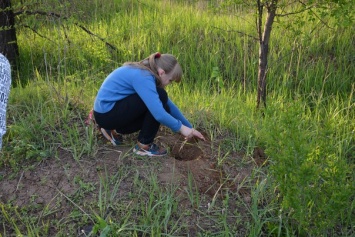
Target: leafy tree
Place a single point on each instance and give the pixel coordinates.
(320, 10)
(30, 14)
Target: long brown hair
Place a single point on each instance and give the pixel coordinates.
(167, 62)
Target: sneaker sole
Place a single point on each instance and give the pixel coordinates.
(143, 153)
(107, 136)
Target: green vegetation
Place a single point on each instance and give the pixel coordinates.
(307, 129)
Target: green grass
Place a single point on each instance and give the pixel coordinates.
(307, 130)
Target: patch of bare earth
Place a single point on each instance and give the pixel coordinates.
(55, 187)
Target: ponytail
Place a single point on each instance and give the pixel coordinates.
(167, 62)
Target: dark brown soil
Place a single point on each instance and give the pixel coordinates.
(53, 183)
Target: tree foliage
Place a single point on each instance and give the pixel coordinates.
(34, 14)
(298, 12)
(317, 188)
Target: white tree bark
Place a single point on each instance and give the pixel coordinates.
(5, 83)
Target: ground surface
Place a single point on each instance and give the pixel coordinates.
(57, 185)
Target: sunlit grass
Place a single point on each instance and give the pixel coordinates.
(307, 129)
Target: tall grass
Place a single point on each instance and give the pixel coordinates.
(307, 129)
(309, 164)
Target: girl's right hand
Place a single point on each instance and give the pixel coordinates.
(189, 133)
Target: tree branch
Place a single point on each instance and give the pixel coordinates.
(36, 32)
(239, 32)
(259, 20)
(315, 14)
(296, 12)
(55, 15)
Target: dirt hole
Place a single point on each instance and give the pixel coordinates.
(182, 149)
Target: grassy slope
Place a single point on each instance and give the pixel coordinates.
(307, 130)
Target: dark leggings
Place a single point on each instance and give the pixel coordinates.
(130, 115)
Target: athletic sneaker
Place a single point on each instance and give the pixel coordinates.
(111, 135)
(149, 150)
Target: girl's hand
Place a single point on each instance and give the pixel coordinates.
(189, 133)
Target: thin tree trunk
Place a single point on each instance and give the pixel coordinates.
(8, 40)
(264, 50)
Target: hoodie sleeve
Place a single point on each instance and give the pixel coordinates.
(176, 113)
(145, 87)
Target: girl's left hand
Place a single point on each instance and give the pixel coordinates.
(189, 133)
(195, 133)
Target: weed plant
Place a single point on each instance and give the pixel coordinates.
(307, 129)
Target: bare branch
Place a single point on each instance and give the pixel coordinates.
(239, 32)
(36, 32)
(55, 15)
(100, 38)
(52, 14)
(296, 12)
(316, 15)
(259, 20)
